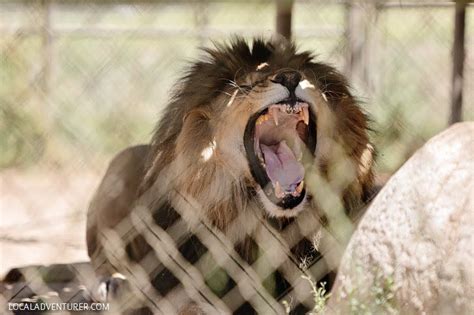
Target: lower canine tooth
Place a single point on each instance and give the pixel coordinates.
(299, 188)
(278, 192)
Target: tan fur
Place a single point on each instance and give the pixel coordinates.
(114, 197)
(197, 155)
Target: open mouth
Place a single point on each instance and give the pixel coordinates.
(276, 140)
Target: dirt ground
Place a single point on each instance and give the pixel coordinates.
(43, 216)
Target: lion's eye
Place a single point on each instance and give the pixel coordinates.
(248, 87)
(260, 81)
(251, 81)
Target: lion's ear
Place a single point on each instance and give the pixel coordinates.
(196, 132)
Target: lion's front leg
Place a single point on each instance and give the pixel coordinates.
(110, 205)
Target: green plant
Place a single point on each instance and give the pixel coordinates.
(320, 295)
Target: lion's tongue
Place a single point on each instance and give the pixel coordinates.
(282, 166)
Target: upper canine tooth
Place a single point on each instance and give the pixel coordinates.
(274, 114)
(305, 115)
(300, 157)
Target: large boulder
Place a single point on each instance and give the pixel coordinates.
(413, 251)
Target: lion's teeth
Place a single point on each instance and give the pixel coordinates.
(278, 191)
(299, 188)
(305, 115)
(262, 119)
(274, 114)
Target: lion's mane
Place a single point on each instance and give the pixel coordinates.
(194, 168)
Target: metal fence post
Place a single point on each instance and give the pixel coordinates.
(360, 17)
(283, 17)
(458, 62)
(201, 20)
(46, 42)
(42, 94)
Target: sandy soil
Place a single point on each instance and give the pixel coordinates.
(43, 216)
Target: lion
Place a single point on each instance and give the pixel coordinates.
(257, 149)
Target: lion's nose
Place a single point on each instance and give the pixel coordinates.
(289, 79)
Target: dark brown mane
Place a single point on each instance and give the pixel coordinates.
(225, 63)
(207, 78)
(199, 183)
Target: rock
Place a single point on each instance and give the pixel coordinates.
(413, 251)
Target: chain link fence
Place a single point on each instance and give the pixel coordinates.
(81, 80)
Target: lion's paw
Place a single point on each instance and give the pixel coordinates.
(110, 288)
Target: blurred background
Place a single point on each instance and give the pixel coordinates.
(81, 80)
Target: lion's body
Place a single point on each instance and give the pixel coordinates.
(115, 196)
(166, 214)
